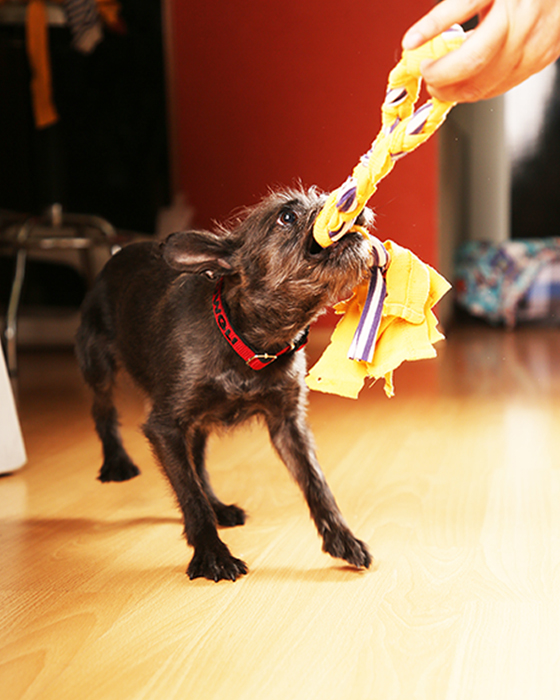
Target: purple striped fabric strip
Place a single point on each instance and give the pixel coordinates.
(363, 343)
(418, 119)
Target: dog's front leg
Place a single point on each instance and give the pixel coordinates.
(212, 559)
(226, 515)
(293, 441)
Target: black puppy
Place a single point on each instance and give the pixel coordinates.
(210, 326)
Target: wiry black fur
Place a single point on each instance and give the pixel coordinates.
(150, 311)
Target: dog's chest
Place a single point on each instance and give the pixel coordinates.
(231, 398)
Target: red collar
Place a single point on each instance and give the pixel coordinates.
(253, 358)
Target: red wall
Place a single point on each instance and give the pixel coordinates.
(269, 93)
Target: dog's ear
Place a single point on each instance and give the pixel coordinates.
(198, 252)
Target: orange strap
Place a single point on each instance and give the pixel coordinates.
(37, 41)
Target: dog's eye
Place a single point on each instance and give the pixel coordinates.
(287, 217)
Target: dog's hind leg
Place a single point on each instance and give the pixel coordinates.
(98, 368)
(173, 446)
(226, 515)
(117, 465)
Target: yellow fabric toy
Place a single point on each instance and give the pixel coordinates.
(389, 318)
(407, 330)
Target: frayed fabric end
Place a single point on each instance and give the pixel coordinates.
(408, 328)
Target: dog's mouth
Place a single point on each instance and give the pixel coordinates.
(353, 239)
(314, 247)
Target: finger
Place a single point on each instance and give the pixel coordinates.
(440, 18)
(461, 93)
(473, 61)
(482, 87)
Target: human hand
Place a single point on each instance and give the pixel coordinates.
(513, 40)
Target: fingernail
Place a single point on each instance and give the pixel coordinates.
(412, 40)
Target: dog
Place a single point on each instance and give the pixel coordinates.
(211, 326)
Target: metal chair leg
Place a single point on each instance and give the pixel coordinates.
(11, 317)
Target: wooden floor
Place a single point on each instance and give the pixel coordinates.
(454, 483)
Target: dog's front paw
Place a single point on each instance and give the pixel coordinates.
(118, 467)
(229, 516)
(216, 565)
(343, 545)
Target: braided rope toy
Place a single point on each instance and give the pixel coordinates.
(402, 131)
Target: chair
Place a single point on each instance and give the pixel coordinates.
(55, 230)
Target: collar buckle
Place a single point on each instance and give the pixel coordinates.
(264, 358)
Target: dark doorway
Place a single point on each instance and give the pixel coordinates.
(107, 155)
